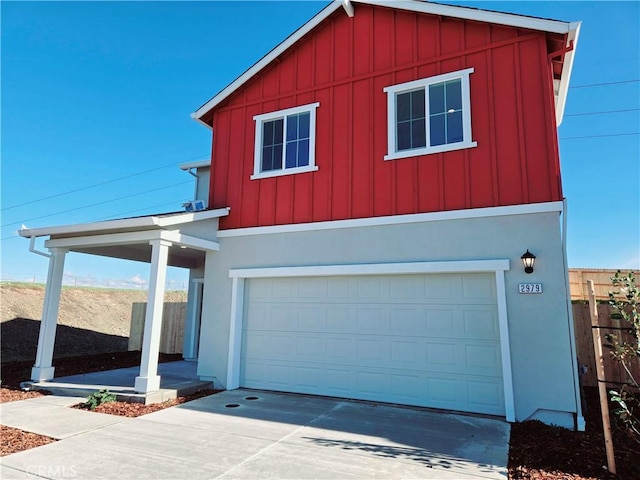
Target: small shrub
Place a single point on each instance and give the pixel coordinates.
(97, 399)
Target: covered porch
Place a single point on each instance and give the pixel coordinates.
(176, 379)
(175, 239)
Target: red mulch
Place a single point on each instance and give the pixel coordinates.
(126, 409)
(14, 440)
(9, 395)
(542, 452)
(536, 452)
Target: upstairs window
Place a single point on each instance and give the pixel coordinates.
(285, 142)
(430, 115)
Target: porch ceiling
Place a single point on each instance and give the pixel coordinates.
(178, 256)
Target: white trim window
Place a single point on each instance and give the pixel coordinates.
(285, 142)
(429, 115)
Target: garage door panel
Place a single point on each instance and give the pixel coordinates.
(480, 323)
(407, 321)
(428, 340)
(406, 288)
(441, 287)
(405, 353)
(482, 359)
(477, 288)
(370, 288)
(338, 349)
(338, 382)
(309, 346)
(371, 320)
(485, 395)
(313, 288)
(312, 318)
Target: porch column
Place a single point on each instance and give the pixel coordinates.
(43, 369)
(149, 380)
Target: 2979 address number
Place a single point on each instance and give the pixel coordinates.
(529, 288)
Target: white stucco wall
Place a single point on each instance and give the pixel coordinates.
(543, 377)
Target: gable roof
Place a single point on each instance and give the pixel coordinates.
(571, 29)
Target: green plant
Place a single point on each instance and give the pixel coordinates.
(96, 399)
(625, 305)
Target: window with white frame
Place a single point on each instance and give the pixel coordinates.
(429, 115)
(285, 142)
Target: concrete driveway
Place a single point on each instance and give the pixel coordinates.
(249, 434)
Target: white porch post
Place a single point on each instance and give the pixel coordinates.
(43, 369)
(149, 380)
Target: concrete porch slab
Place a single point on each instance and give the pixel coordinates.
(176, 379)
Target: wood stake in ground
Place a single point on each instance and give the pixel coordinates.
(602, 387)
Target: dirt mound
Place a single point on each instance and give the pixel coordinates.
(90, 320)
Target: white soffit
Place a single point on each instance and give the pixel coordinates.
(465, 13)
(126, 224)
(567, 67)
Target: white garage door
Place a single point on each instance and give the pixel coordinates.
(427, 340)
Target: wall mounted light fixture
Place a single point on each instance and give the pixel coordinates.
(528, 259)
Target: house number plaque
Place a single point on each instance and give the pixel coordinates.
(529, 288)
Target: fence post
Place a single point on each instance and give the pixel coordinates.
(602, 388)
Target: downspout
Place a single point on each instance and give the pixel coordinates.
(32, 248)
(580, 423)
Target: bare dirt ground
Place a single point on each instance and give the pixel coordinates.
(91, 320)
(95, 317)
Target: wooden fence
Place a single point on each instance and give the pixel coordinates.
(172, 335)
(614, 373)
(601, 281)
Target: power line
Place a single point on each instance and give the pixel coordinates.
(95, 204)
(601, 113)
(173, 164)
(119, 215)
(606, 83)
(598, 136)
(619, 60)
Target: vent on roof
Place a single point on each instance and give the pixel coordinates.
(194, 206)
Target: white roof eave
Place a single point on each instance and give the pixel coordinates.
(567, 67)
(465, 13)
(125, 224)
(198, 164)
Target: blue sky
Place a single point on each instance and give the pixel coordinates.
(96, 93)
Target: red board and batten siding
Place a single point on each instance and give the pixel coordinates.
(344, 64)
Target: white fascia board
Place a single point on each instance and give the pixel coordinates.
(266, 60)
(567, 67)
(508, 19)
(125, 223)
(470, 13)
(467, 266)
(192, 217)
(471, 213)
(198, 164)
(150, 221)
